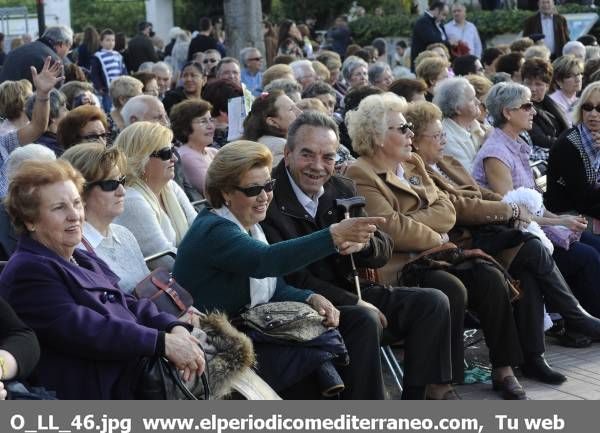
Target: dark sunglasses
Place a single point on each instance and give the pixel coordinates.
(165, 153)
(209, 60)
(107, 185)
(256, 59)
(253, 191)
(589, 107)
(526, 106)
(404, 127)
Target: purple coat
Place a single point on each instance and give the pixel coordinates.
(92, 335)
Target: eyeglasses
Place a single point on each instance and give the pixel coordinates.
(404, 128)
(166, 153)
(107, 185)
(209, 61)
(255, 59)
(589, 107)
(438, 136)
(253, 191)
(100, 136)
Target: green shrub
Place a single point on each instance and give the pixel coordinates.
(489, 23)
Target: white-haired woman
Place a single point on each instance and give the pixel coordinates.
(355, 72)
(458, 101)
(157, 211)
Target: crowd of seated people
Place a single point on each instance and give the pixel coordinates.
(442, 158)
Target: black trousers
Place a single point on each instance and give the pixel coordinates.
(362, 332)
(483, 290)
(541, 282)
(421, 317)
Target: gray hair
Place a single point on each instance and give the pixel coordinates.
(146, 67)
(350, 64)
(376, 70)
(592, 52)
(505, 95)
(318, 88)
(57, 100)
(247, 52)
(540, 51)
(289, 87)
(225, 61)
(136, 106)
(59, 34)
(450, 95)
(162, 65)
(299, 66)
(310, 118)
(35, 152)
(572, 47)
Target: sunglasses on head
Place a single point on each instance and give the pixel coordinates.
(253, 191)
(589, 107)
(166, 153)
(107, 185)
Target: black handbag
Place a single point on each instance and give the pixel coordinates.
(159, 380)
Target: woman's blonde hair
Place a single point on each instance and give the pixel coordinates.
(23, 199)
(13, 96)
(482, 85)
(585, 96)
(231, 163)
(367, 125)
(95, 161)
(421, 114)
(429, 69)
(138, 141)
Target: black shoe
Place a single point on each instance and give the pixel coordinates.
(537, 368)
(510, 388)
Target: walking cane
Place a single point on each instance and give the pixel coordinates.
(348, 204)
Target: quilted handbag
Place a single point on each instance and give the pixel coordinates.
(288, 320)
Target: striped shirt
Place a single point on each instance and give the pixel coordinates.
(112, 64)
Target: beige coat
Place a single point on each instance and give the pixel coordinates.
(474, 205)
(417, 213)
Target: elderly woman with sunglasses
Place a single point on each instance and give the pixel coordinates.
(419, 216)
(84, 123)
(502, 165)
(227, 264)
(104, 197)
(157, 211)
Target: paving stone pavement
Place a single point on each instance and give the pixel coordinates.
(581, 366)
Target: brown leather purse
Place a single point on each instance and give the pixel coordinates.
(162, 289)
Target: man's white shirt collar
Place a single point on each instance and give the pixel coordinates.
(309, 204)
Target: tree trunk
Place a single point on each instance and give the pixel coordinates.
(243, 21)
